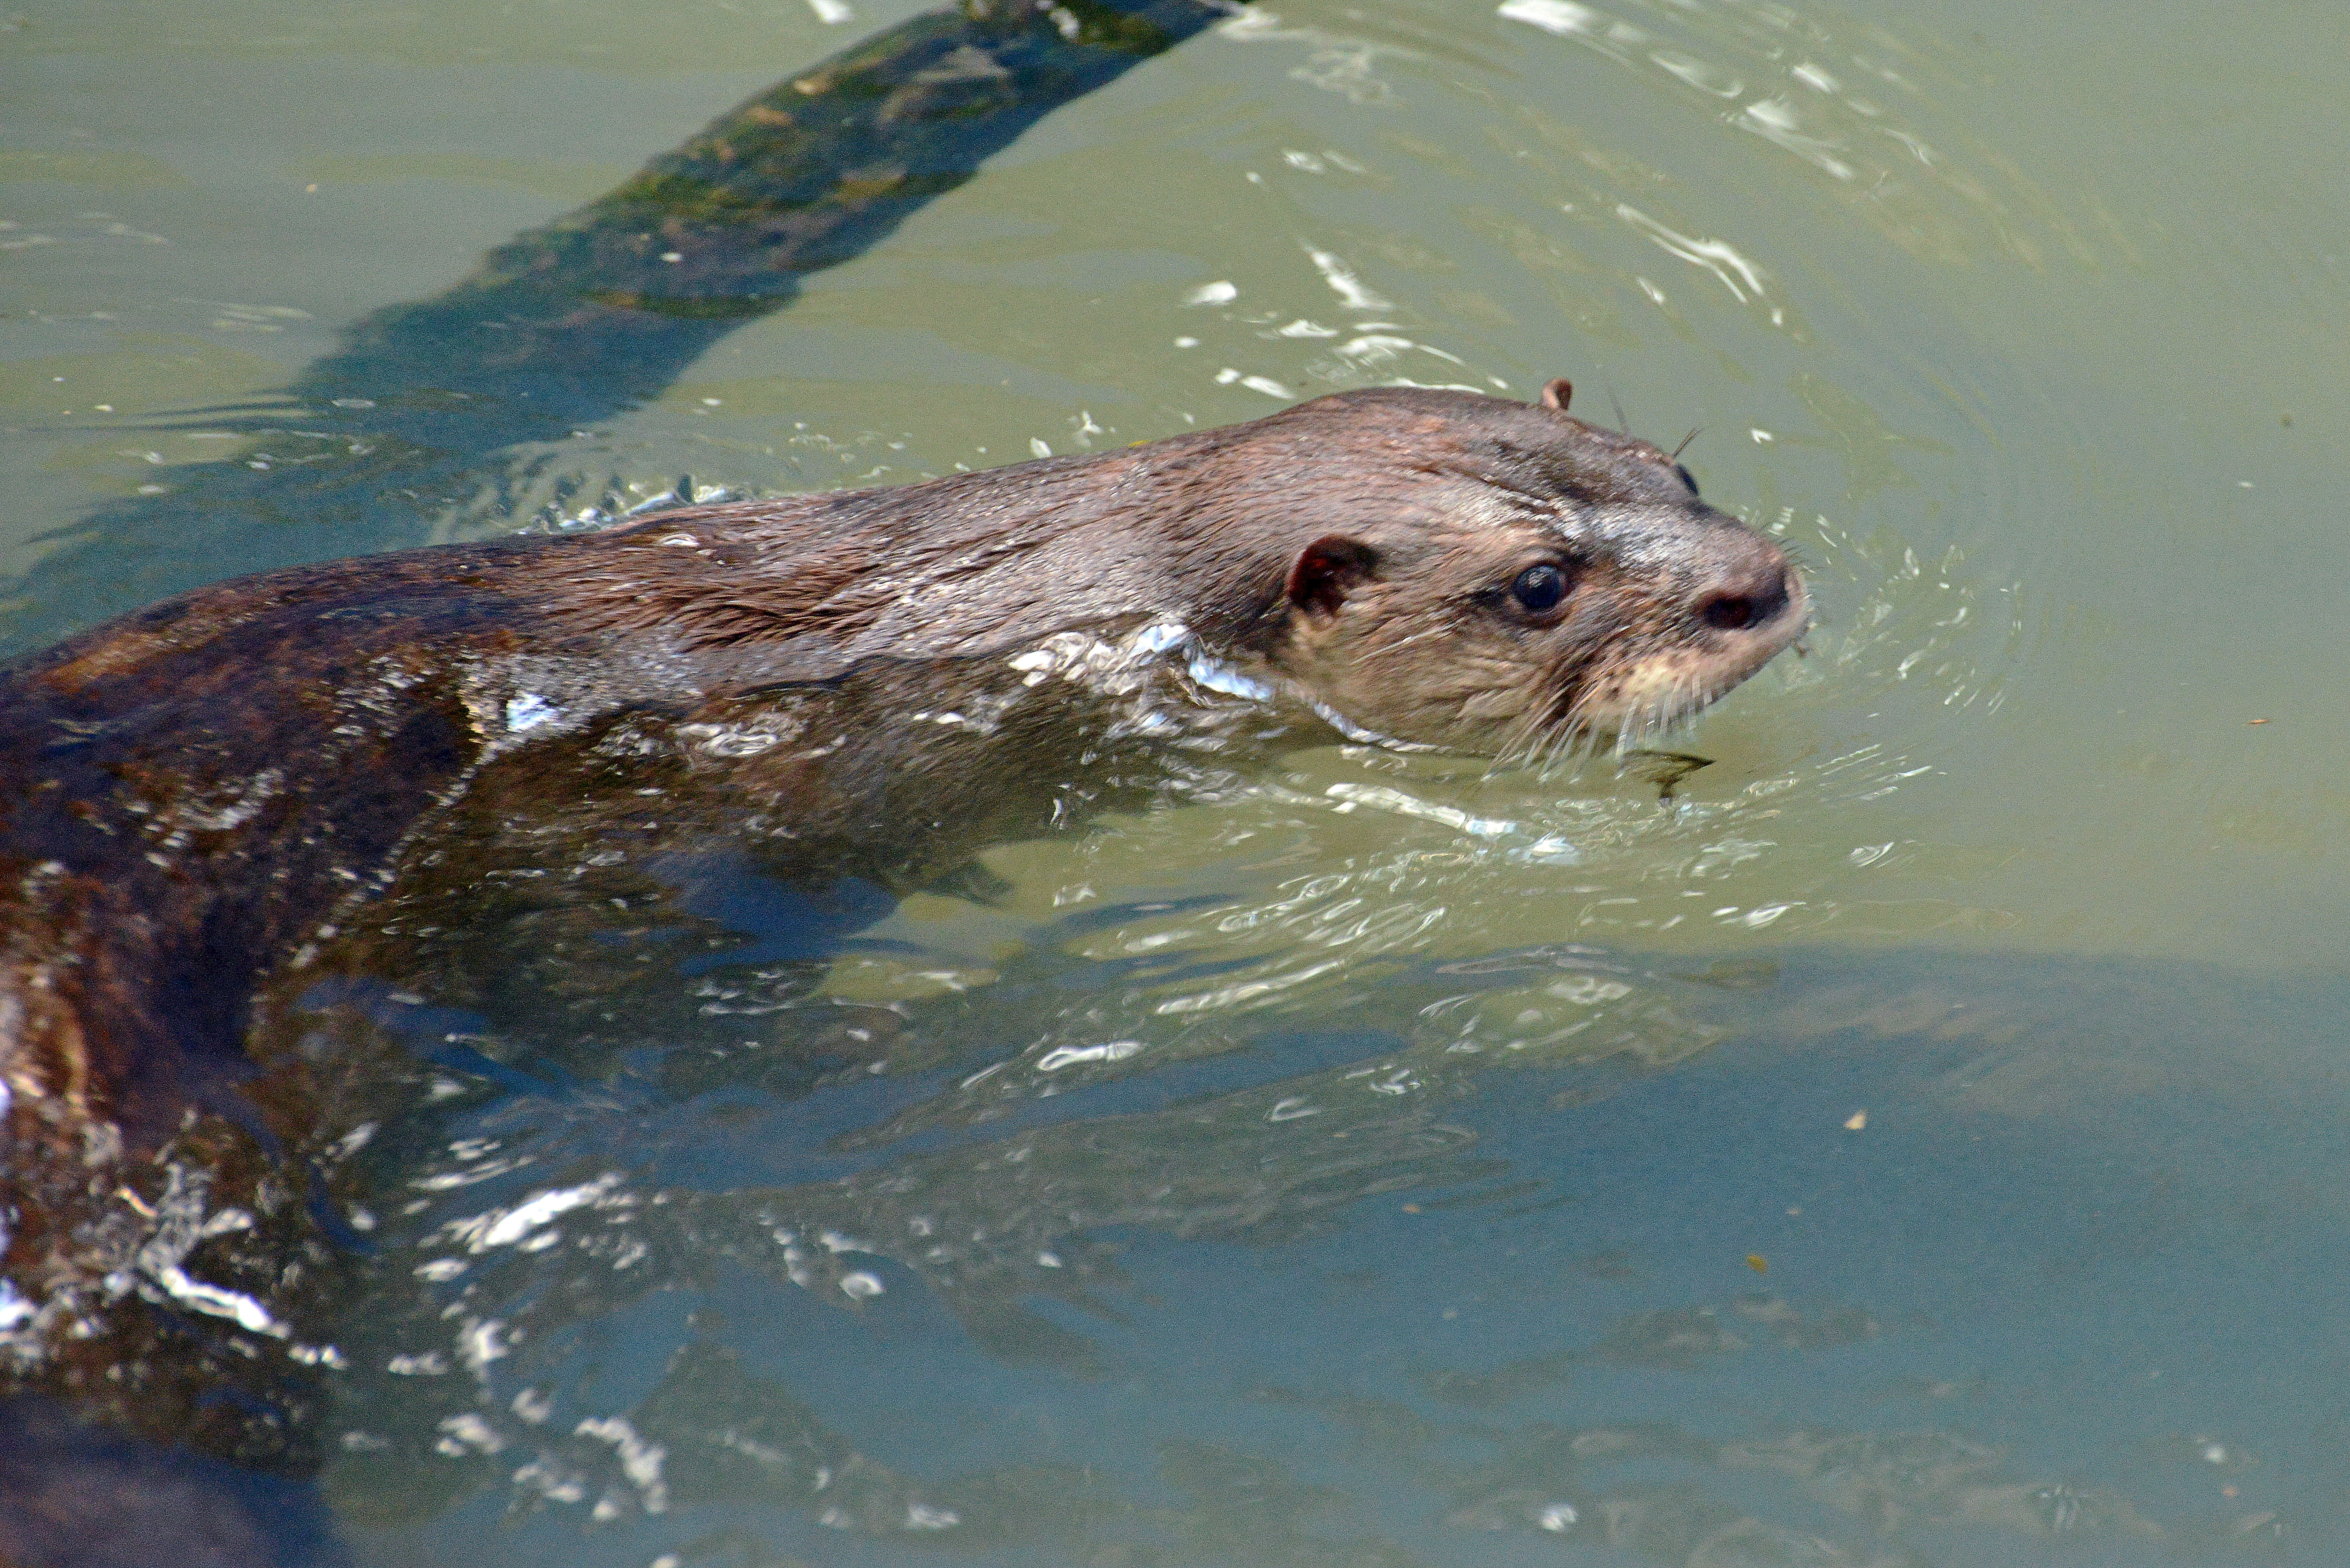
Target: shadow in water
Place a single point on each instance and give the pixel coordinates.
(570, 323)
(1811, 1257)
(76, 1494)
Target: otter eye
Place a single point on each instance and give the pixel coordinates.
(1539, 588)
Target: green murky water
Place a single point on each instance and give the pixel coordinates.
(1919, 1142)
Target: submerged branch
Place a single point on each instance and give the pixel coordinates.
(603, 307)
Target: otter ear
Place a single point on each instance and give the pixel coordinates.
(1327, 570)
(1556, 393)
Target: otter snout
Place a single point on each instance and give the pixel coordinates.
(1761, 597)
(1753, 588)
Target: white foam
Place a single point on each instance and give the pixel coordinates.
(519, 1222)
(528, 711)
(246, 1313)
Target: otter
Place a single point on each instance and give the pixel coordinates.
(199, 793)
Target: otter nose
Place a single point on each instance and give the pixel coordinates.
(1751, 594)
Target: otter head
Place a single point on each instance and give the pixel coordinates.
(1500, 577)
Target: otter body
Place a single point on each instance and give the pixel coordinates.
(196, 794)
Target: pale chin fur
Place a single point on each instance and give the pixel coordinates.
(1658, 697)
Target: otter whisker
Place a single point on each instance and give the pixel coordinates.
(1536, 740)
(1519, 745)
(1531, 745)
(1384, 649)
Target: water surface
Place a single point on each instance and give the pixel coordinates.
(1380, 1160)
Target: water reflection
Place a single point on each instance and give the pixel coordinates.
(514, 1346)
(652, 1269)
(1856, 115)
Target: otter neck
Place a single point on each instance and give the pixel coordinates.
(1082, 542)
